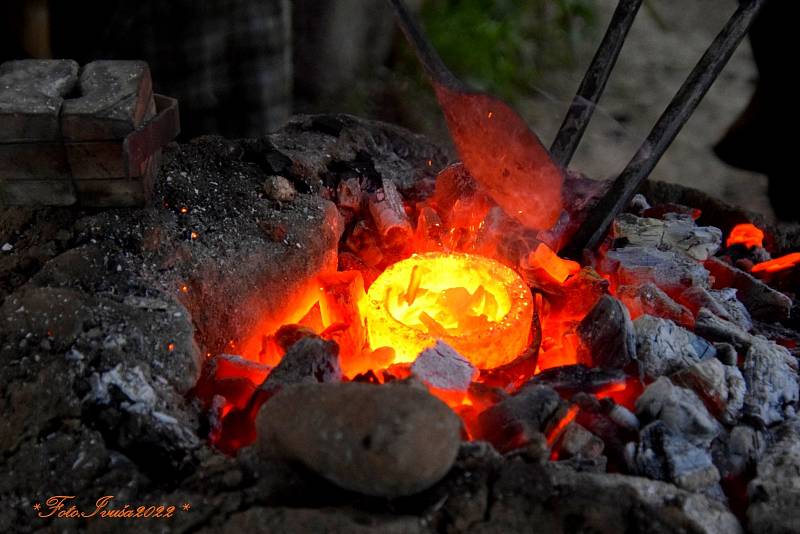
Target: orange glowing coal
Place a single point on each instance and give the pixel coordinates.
(478, 306)
(778, 264)
(746, 234)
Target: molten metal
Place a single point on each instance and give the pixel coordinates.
(478, 306)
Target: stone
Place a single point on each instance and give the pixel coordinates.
(31, 96)
(280, 189)
(680, 409)
(721, 387)
(516, 420)
(676, 233)
(669, 270)
(309, 360)
(116, 97)
(763, 302)
(648, 299)
(663, 454)
(662, 347)
(386, 441)
(607, 337)
(441, 367)
(770, 372)
(775, 491)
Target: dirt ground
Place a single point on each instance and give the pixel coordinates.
(665, 42)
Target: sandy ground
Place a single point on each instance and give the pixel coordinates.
(665, 42)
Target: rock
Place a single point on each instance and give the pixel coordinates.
(721, 302)
(386, 441)
(763, 302)
(662, 347)
(648, 299)
(516, 420)
(663, 454)
(280, 189)
(669, 270)
(721, 387)
(309, 360)
(771, 377)
(556, 498)
(676, 233)
(680, 409)
(607, 337)
(775, 491)
(441, 367)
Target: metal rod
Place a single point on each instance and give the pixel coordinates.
(594, 83)
(593, 229)
(427, 55)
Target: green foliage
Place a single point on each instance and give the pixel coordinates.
(501, 45)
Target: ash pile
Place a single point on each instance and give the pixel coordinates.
(679, 415)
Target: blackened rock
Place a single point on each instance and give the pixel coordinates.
(775, 492)
(310, 360)
(721, 387)
(663, 454)
(771, 376)
(679, 409)
(387, 441)
(662, 347)
(533, 410)
(607, 337)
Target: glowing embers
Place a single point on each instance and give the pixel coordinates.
(746, 234)
(778, 264)
(478, 306)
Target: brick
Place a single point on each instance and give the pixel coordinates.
(116, 98)
(37, 161)
(96, 159)
(53, 192)
(31, 97)
(119, 192)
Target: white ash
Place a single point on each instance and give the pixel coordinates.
(678, 234)
(662, 347)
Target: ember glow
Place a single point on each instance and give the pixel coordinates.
(747, 234)
(480, 307)
(778, 264)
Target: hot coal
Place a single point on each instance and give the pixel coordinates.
(608, 340)
(674, 232)
(671, 271)
(662, 347)
(721, 387)
(723, 303)
(763, 302)
(577, 441)
(770, 372)
(309, 360)
(571, 379)
(442, 367)
(649, 299)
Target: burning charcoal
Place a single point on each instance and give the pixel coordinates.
(350, 194)
(386, 441)
(386, 207)
(364, 242)
(668, 269)
(579, 293)
(607, 337)
(712, 327)
(648, 299)
(571, 379)
(663, 454)
(662, 347)
(511, 423)
(763, 302)
(775, 493)
(739, 451)
(772, 389)
(289, 334)
(678, 234)
(577, 441)
(441, 367)
(680, 409)
(341, 297)
(722, 303)
(280, 189)
(726, 354)
(720, 386)
(312, 359)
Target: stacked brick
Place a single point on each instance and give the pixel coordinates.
(89, 136)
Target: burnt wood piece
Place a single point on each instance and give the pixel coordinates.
(594, 228)
(594, 83)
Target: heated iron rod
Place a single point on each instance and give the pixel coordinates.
(593, 229)
(594, 83)
(427, 55)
